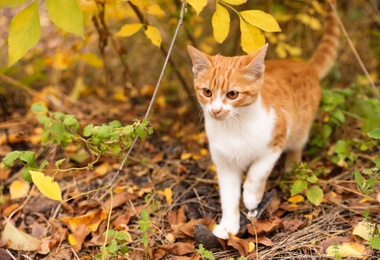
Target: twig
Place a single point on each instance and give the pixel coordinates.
(356, 54)
(180, 21)
(18, 84)
(10, 254)
(77, 257)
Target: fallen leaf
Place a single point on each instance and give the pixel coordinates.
(264, 226)
(120, 199)
(16, 239)
(168, 193)
(19, 189)
(102, 169)
(179, 248)
(292, 224)
(348, 249)
(92, 220)
(296, 199)
(241, 245)
(364, 229)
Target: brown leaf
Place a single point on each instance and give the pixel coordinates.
(264, 226)
(122, 219)
(241, 245)
(261, 240)
(334, 241)
(187, 229)
(120, 199)
(79, 235)
(293, 224)
(179, 248)
(159, 253)
(178, 217)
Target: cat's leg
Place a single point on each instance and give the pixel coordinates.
(229, 180)
(254, 185)
(292, 157)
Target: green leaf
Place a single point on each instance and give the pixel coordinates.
(251, 37)
(112, 247)
(104, 131)
(87, 130)
(315, 195)
(12, 3)
(261, 20)
(375, 243)
(358, 178)
(24, 32)
(25, 174)
(66, 15)
(124, 249)
(377, 162)
(28, 158)
(9, 159)
(59, 162)
(374, 133)
(312, 179)
(220, 23)
(144, 214)
(38, 108)
(298, 187)
(115, 124)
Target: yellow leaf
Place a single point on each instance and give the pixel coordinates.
(138, 3)
(92, 220)
(220, 23)
(261, 20)
(364, 229)
(168, 193)
(280, 50)
(213, 168)
(46, 185)
(19, 189)
(251, 37)
(154, 35)
(348, 249)
(186, 156)
(235, 2)
(310, 21)
(198, 5)
(92, 59)
(15, 239)
(251, 246)
(102, 169)
(155, 10)
(72, 240)
(296, 199)
(129, 29)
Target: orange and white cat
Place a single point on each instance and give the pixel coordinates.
(254, 111)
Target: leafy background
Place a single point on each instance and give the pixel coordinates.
(106, 70)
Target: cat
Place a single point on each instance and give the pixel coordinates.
(254, 111)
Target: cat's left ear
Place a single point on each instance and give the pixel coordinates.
(256, 61)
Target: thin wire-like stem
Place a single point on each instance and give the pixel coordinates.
(148, 111)
(356, 54)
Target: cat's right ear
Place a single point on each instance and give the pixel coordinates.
(201, 61)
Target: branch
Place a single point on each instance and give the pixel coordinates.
(180, 21)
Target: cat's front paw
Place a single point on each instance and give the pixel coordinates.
(222, 231)
(252, 213)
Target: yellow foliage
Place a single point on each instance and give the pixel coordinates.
(19, 189)
(154, 35)
(251, 37)
(310, 21)
(129, 29)
(348, 249)
(235, 2)
(168, 193)
(261, 20)
(46, 185)
(198, 5)
(220, 23)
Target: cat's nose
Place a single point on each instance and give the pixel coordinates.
(216, 111)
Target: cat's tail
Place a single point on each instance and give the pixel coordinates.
(327, 50)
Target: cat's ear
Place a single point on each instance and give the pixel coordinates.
(256, 62)
(201, 61)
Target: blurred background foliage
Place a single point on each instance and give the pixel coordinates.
(70, 73)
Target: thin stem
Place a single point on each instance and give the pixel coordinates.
(180, 21)
(356, 54)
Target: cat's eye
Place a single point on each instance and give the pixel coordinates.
(232, 94)
(207, 92)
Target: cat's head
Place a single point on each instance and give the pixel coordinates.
(224, 84)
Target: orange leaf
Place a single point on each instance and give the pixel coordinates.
(264, 226)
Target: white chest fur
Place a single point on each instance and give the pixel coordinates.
(240, 140)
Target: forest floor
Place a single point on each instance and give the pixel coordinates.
(171, 175)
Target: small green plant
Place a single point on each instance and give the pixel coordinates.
(365, 181)
(62, 129)
(116, 246)
(204, 253)
(144, 224)
(240, 258)
(307, 182)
